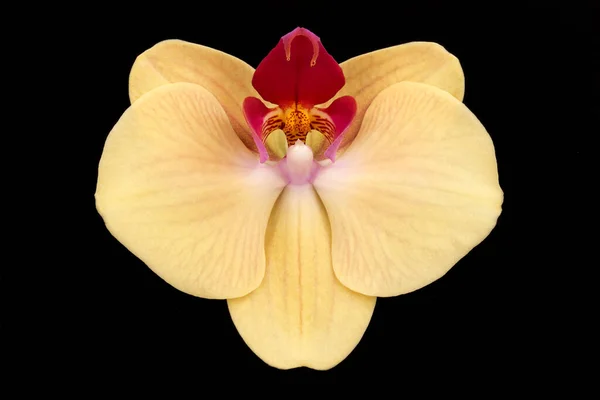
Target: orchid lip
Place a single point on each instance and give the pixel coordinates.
(290, 73)
(290, 77)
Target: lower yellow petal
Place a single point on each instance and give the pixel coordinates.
(301, 315)
(178, 188)
(425, 62)
(228, 78)
(413, 194)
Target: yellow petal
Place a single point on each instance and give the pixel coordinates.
(301, 315)
(181, 192)
(425, 62)
(414, 193)
(228, 78)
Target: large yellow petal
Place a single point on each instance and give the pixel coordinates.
(425, 62)
(178, 188)
(301, 315)
(414, 193)
(228, 78)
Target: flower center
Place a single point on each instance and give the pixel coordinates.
(296, 122)
(300, 77)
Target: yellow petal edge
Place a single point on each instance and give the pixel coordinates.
(227, 77)
(370, 73)
(413, 194)
(178, 188)
(301, 315)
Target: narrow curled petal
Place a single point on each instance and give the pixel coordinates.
(341, 111)
(413, 194)
(256, 114)
(425, 62)
(228, 78)
(301, 315)
(298, 69)
(179, 189)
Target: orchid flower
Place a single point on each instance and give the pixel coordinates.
(300, 191)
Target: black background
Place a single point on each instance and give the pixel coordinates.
(531, 78)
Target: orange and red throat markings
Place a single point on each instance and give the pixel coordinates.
(296, 122)
(296, 75)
